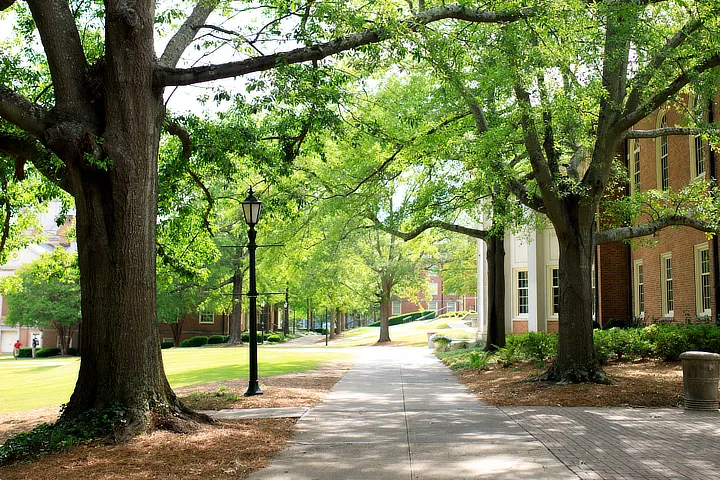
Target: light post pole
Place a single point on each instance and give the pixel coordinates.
(286, 325)
(251, 211)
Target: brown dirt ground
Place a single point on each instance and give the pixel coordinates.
(233, 449)
(646, 383)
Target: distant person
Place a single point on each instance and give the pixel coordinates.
(16, 349)
(34, 346)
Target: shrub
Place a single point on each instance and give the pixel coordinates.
(25, 352)
(167, 344)
(198, 341)
(47, 352)
(72, 351)
(538, 346)
(441, 342)
(245, 336)
(460, 359)
(480, 360)
(273, 338)
(508, 355)
(216, 339)
(669, 345)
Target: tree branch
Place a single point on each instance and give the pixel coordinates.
(626, 233)
(661, 132)
(186, 33)
(451, 227)
(22, 113)
(175, 129)
(64, 51)
(654, 102)
(24, 149)
(166, 76)
(642, 79)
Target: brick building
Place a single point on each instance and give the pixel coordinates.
(439, 300)
(674, 277)
(671, 276)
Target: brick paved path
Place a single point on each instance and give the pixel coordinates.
(626, 443)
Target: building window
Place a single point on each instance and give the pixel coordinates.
(434, 288)
(639, 281)
(58, 343)
(553, 283)
(433, 305)
(668, 301)
(703, 289)
(207, 318)
(396, 308)
(663, 157)
(697, 145)
(635, 167)
(451, 306)
(522, 292)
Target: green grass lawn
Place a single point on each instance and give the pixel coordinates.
(41, 382)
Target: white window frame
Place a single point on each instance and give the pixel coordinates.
(662, 154)
(205, 322)
(701, 307)
(516, 292)
(451, 306)
(668, 302)
(433, 305)
(396, 308)
(634, 166)
(434, 288)
(638, 289)
(551, 313)
(697, 144)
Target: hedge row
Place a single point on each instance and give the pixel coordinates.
(664, 342)
(400, 319)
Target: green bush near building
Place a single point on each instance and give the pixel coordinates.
(46, 352)
(217, 339)
(198, 341)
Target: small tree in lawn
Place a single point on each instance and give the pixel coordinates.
(46, 293)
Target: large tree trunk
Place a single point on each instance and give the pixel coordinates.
(496, 291)
(235, 327)
(121, 364)
(576, 361)
(331, 324)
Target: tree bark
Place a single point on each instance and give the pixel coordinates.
(333, 324)
(496, 291)
(121, 363)
(576, 361)
(176, 329)
(236, 315)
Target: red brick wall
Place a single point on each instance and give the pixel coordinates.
(613, 282)
(678, 241)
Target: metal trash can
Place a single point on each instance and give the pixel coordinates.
(700, 380)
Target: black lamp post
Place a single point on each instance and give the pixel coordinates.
(251, 211)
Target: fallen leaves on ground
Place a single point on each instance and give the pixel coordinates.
(647, 383)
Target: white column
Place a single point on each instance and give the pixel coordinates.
(482, 290)
(533, 283)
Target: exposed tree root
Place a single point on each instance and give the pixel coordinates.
(577, 374)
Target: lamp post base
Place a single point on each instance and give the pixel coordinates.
(253, 389)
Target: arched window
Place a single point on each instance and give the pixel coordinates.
(663, 157)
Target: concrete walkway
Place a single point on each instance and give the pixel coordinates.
(400, 414)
